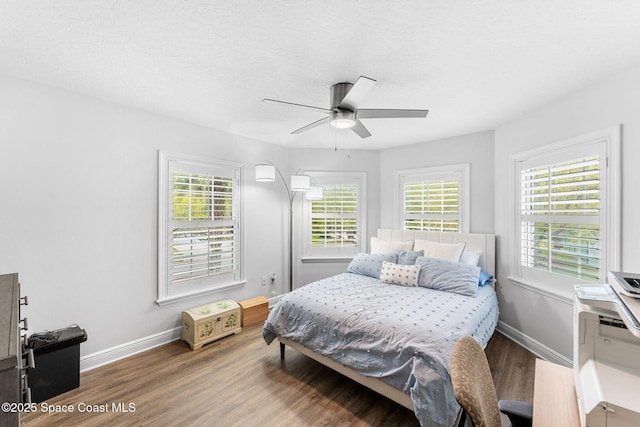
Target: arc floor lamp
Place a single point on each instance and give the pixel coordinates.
(266, 172)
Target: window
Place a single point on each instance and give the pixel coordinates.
(434, 199)
(199, 236)
(565, 209)
(334, 226)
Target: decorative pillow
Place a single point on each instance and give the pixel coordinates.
(379, 246)
(450, 251)
(408, 257)
(449, 276)
(397, 274)
(470, 257)
(369, 264)
(485, 278)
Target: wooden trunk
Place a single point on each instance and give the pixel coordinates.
(201, 325)
(254, 310)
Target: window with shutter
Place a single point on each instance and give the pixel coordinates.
(334, 219)
(199, 233)
(567, 209)
(434, 199)
(202, 236)
(560, 218)
(334, 224)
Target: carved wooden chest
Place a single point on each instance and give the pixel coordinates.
(201, 325)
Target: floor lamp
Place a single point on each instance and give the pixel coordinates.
(266, 172)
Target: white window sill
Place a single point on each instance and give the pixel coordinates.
(560, 293)
(170, 299)
(318, 259)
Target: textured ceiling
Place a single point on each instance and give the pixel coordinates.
(473, 64)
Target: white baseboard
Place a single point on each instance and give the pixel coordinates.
(532, 345)
(274, 300)
(103, 357)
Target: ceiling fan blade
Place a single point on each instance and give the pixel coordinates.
(312, 125)
(310, 107)
(361, 130)
(390, 114)
(357, 93)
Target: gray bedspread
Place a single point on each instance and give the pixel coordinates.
(401, 335)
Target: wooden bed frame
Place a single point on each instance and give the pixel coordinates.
(484, 243)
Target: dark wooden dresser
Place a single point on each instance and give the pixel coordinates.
(13, 382)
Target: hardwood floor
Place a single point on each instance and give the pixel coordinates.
(240, 381)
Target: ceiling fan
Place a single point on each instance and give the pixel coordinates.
(344, 112)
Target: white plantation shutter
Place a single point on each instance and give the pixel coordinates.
(334, 219)
(560, 217)
(334, 227)
(202, 239)
(432, 205)
(434, 199)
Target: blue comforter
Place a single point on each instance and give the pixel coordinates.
(401, 335)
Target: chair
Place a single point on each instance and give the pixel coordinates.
(475, 391)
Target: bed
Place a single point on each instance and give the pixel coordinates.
(389, 336)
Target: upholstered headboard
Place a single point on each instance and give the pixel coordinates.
(485, 243)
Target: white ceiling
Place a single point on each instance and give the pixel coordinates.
(473, 64)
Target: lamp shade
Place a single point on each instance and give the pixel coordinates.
(300, 183)
(265, 172)
(314, 193)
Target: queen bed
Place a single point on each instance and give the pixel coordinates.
(390, 321)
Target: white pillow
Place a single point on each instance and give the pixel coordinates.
(379, 246)
(450, 251)
(470, 257)
(399, 274)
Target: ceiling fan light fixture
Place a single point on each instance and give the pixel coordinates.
(343, 119)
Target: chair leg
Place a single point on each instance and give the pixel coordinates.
(281, 351)
(463, 418)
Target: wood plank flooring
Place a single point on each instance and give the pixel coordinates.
(240, 381)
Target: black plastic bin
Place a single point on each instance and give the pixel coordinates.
(57, 360)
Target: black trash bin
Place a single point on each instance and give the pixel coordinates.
(57, 360)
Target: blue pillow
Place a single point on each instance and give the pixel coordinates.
(485, 278)
(448, 276)
(408, 257)
(369, 264)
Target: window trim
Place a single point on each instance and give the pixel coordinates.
(465, 189)
(307, 255)
(612, 177)
(165, 294)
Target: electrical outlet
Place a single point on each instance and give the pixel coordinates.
(264, 280)
(273, 278)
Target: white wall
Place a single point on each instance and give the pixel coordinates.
(78, 185)
(544, 317)
(475, 149)
(330, 160)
